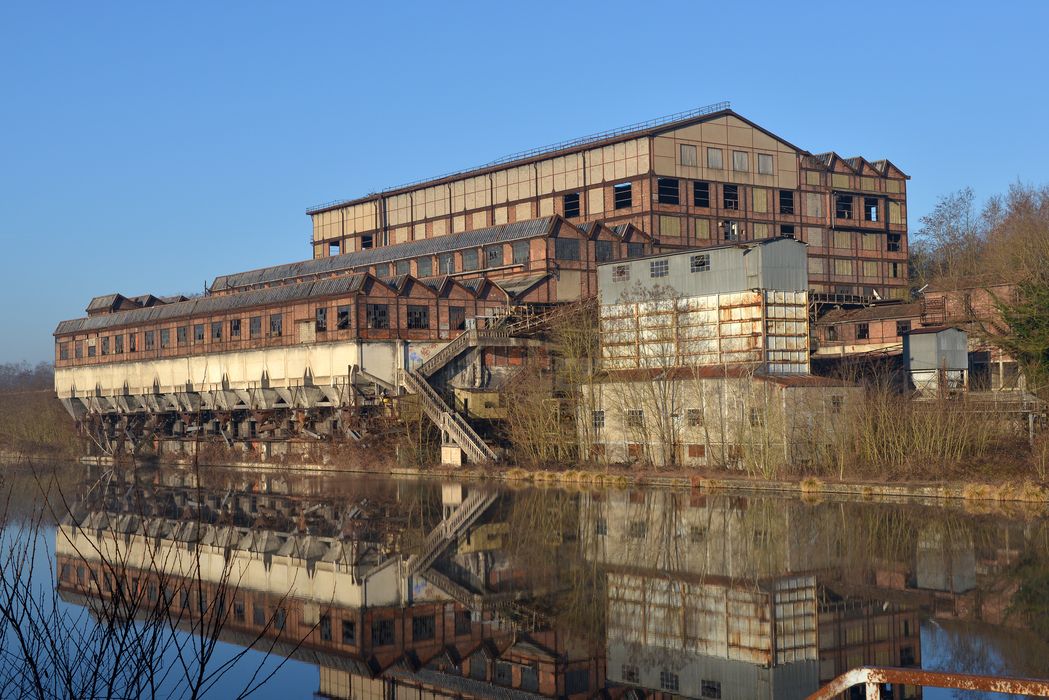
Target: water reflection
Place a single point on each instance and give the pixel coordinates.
(416, 589)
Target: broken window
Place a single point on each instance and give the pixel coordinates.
(493, 256)
(463, 622)
(668, 680)
(333, 248)
(730, 230)
(786, 201)
(234, 328)
(831, 333)
(701, 194)
(367, 241)
(165, 338)
(635, 250)
(382, 270)
(687, 155)
(418, 317)
(756, 419)
(603, 251)
(382, 633)
(635, 418)
(342, 318)
(894, 269)
(870, 208)
(622, 195)
(659, 268)
(324, 625)
(276, 325)
(118, 344)
(402, 267)
(255, 326)
(322, 319)
(182, 336)
(836, 403)
(902, 327)
(786, 229)
(714, 158)
(694, 417)
(78, 350)
(765, 164)
(842, 206)
(566, 248)
(710, 689)
(349, 632)
(132, 342)
(150, 340)
(699, 263)
(521, 252)
(470, 259)
(63, 351)
(863, 331)
(620, 273)
(424, 267)
(446, 264)
(216, 330)
(424, 628)
(730, 195)
(740, 161)
(894, 242)
(637, 528)
(376, 315)
(457, 318)
(105, 346)
(598, 419)
(667, 190)
(198, 332)
(90, 350)
(571, 202)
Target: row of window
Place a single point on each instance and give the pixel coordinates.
(377, 316)
(635, 417)
(863, 331)
(670, 681)
(661, 267)
(688, 156)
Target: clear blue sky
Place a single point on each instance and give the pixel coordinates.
(147, 147)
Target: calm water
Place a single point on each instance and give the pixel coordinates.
(365, 587)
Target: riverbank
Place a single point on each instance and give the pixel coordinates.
(1027, 494)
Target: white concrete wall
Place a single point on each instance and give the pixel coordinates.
(243, 369)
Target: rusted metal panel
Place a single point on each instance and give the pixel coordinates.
(874, 677)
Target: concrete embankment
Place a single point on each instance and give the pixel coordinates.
(810, 488)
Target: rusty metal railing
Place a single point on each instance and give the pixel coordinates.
(875, 677)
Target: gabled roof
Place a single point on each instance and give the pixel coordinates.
(516, 286)
(653, 127)
(337, 264)
(213, 304)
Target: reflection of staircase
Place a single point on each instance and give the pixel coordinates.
(449, 529)
(453, 426)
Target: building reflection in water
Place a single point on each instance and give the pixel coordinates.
(407, 589)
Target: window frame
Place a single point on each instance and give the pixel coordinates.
(623, 195)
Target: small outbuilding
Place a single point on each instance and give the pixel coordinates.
(937, 359)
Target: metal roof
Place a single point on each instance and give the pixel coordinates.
(217, 304)
(376, 256)
(103, 302)
(612, 135)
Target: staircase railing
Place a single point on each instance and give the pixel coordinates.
(460, 343)
(458, 430)
(449, 529)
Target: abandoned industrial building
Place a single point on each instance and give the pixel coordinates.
(714, 254)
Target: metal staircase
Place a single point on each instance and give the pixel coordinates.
(449, 529)
(461, 343)
(453, 426)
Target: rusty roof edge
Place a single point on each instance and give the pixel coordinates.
(606, 138)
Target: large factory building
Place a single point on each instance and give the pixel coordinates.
(444, 287)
